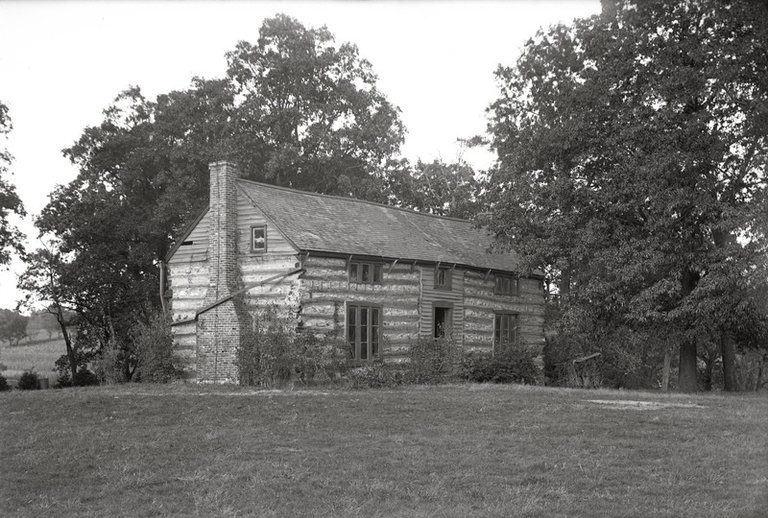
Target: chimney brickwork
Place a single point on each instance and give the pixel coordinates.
(220, 329)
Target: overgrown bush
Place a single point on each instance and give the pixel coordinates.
(510, 366)
(376, 375)
(153, 346)
(273, 354)
(432, 360)
(4, 386)
(28, 381)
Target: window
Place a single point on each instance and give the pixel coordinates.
(506, 285)
(505, 331)
(364, 273)
(363, 331)
(443, 278)
(259, 238)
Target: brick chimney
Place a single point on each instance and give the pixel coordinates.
(219, 329)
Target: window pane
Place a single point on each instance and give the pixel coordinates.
(258, 235)
(351, 327)
(366, 277)
(363, 333)
(497, 329)
(441, 277)
(377, 273)
(374, 331)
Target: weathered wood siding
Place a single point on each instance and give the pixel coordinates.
(198, 249)
(249, 216)
(325, 290)
(188, 273)
(281, 257)
(430, 295)
(480, 305)
(188, 283)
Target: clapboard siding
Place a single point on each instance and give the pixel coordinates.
(248, 216)
(197, 250)
(430, 296)
(481, 305)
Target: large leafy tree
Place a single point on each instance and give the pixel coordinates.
(10, 238)
(434, 187)
(309, 114)
(632, 167)
(294, 109)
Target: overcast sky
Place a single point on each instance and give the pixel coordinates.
(62, 63)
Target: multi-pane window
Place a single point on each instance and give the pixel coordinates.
(443, 278)
(506, 285)
(363, 331)
(505, 331)
(259, 238)
(365, 273)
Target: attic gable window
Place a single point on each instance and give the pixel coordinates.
(364, 273)
(259, 238)
(443, 278)
(506, 285)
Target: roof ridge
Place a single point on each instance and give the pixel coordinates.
(358, 200)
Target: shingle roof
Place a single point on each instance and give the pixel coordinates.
(315, 222)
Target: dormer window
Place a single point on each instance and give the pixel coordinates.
(259, 238)
(506, 285)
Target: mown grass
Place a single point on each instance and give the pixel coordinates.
(459, 450)
(40, 356)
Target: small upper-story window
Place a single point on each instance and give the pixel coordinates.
(364, 273)
(259, 238)
(506, 285)
(443, 278)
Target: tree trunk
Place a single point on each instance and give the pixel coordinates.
(728, 352)
(70, 351)
(709, 370)
(687, 375)
(665, 369)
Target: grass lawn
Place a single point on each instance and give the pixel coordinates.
(458, 450)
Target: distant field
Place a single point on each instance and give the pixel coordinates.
(454, 451)
(40, 356)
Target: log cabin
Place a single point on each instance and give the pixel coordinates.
(375, 276)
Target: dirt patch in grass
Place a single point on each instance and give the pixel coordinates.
(633, 404)
(463, 450)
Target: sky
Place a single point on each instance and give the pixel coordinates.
(62, 63)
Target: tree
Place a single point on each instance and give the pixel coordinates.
(10, 238)
(632, 166)
(294, 110)
(13, 326)
(48, 280)
(311, 116)
(435, 188)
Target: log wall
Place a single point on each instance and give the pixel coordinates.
(480, 305)
(325, 290)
